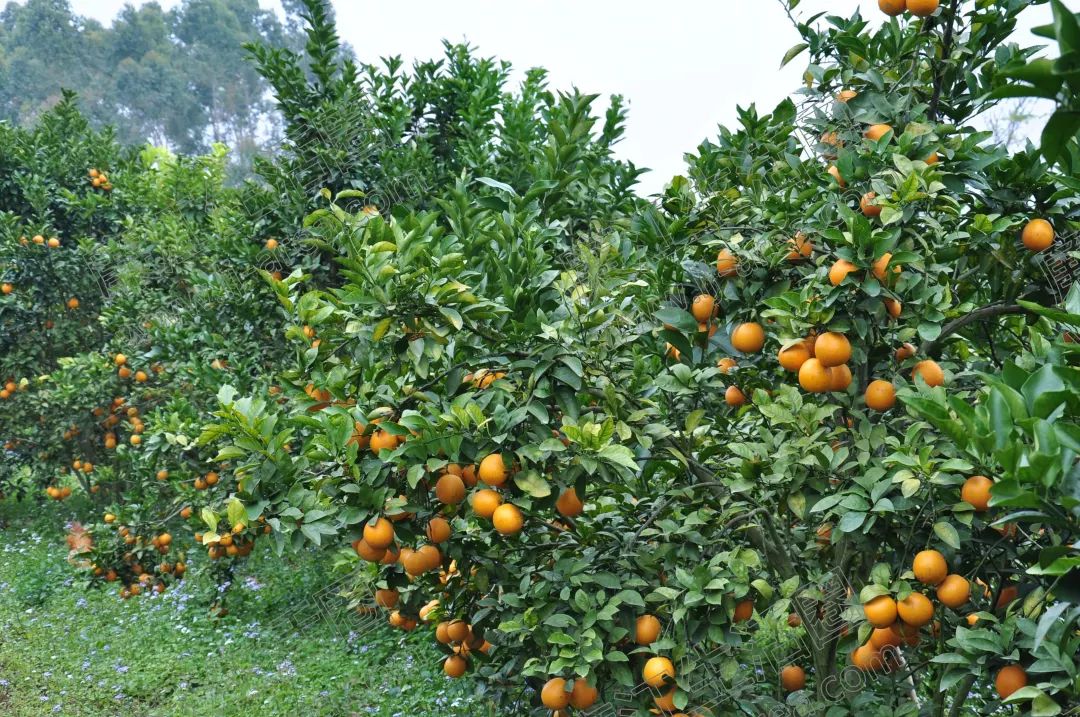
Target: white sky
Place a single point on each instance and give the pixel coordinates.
(682, 65)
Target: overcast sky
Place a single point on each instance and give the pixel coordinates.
(683, 65)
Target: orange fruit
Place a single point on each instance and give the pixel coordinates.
(367, 552)
(932, 158)
(458, 630)
(554, 694)
(876, 131)
(954, 591)
(703, 307)
(493, 470)
(839, 377)
(748, 338)
(438, 530)
(892, 8)
(6, 288)
(880, 611)
(866, 658)
(271, 244)
(814, 377)
(883, 637)
(922, 8)
(734, 396)
(880, 395)
(976, 491)
(930, 372)
(507, 519)
(881, 265)
(584, 695)
(743, 611)
(929, 567)
(658, 671)
(484, 502)
(893, 307)
(1038, 235)
(726, 364)
(665, 702)
(834, 172)
(726, 263)
(1009, 679)
(905, 352)
(379, 534)
(1008, 594)
(840, 270)
(450, 489)
(568, 504)
(455, 666)
(915, 610)
(381, 439)
(801, 248)
(793, 357)
(386, 597)
(646, 630)
(869, 209)
(793, 678)
(832, 349)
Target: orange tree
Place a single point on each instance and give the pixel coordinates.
(599, 444)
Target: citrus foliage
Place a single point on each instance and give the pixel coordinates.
(806, 412)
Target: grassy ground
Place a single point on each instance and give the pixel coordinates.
(67, 651)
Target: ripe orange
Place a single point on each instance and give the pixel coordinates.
(834, 172)
(53, 243)
(840, 270)
(905, 352)
(976, 491)
(438, 530)
(379, 534)
(1038, 235)
(664, 702)
(584, 695)
(892, 8)
(140, 376)
(484, 502)
(120, 359)
(455, 666)
(880, 395)
(381, 439)
(922, 8)
(793, 678)
(386, 597)
(866, 658)
(748, 338)
(367, 552)
(869, 209)
(703, 307)
(450, 489)
(124, 372)
(876, 131)
(458, 630)
(734, 396)
(726, 263)
(493, 470)
(929, 567)
(930, 372)
(1007, 595)
(726, 364)
(743, 611)
(954, 591)
(881, 265)
(832, 349)
(658, 671)
(839, 377)
(814, 377)
(893, 307)
(793, 357)
(568, 504)
(801, 248)
(507, 519)
(883, 637)
(915, 610)
(554, 694)
(1009, 679)
(6, 288)
(440, 633)
(880, 611)
(646, 630)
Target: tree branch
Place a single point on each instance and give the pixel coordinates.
(939, 74)
(932, 348)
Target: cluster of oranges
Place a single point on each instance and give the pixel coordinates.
(9, 389)
(130, 571)
(462, 638)
(40, 240)
(124, 370)
(918, 8)
(58, 493)
(100, 180)
(238, 542)
(117, 412)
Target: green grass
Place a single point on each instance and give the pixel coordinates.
(68, 651)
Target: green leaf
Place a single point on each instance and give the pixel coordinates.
(532, 483)
(792, 53)
(947, 533)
